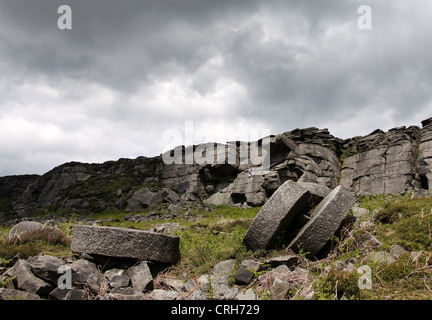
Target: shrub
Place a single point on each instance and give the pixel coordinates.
(48, 235)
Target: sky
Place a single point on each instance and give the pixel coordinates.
(133, 77)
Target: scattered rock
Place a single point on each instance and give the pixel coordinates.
(27, 281)
(249, 294)
(46, 267)
(223, 268)
(280, 289)
(12, 294)
(382, 257)
(397, 251)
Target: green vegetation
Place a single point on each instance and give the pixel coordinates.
(216, 235)
(51, 241)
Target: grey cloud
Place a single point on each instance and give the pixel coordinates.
(285, 64)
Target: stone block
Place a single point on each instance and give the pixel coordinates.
(125, 243)
(326, 219)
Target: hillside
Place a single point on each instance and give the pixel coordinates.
(392, 162)
(380, 248)
(391, 235)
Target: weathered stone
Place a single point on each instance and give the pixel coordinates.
(288, 260)
(282, 269)
(382, 257)
(144, 198)
(27, 281)
(319, 191)
(141, 277)
(125, 243)
(381, 162)
(76, 294)
(397, 251)
(124, 293)
(46, 267)
(249, 294)
(248, 189)
(424, 161)
(280, 289)
(167, 228)
(23, 227)
(326, 219)
(58, 294)
(247, 271)
(289, 200)
(189, 285)
(175, 284)
(85, 273)
(221, 288)
(119, 281)
(223, 268)
(160, 294)
(11, 294)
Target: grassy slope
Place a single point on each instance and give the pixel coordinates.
(216, 236)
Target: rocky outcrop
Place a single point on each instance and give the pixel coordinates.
(424, 164)
(381, 162)
(396, 161)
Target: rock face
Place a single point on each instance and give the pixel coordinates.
(396, 161)
(424, 163)
(125, 243)
(382, 162)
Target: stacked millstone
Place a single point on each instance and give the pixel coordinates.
(302, 215)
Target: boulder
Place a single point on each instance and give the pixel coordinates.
(288, 260)
(275, 217)
(280, 289)
(141, 277)
(27, 281)
(23, 227)
(318, 191)
(325, 220)
(46, 267)
(85, 273)
(125, 243)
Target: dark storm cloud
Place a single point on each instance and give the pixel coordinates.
(128, 70)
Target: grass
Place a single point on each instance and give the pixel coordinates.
(403, 220)
(50, 241)
(217, 235)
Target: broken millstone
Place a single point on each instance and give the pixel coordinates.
(326, 219)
